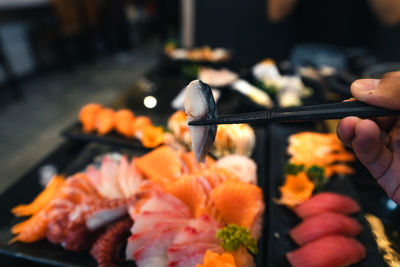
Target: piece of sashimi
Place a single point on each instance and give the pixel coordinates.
(129, 178)
(199, 104)
(187, 255)
(229, 194)
(327, 201)
(157, 247)
(88, 116)
(190, 192)
(243, 167)
(160, 165)
(166, 202)
(328, 223)
(328, 251)
(138, 240)
(148, 219)
(200, 233)
(109, 179)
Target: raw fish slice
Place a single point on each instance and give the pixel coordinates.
(156, 248)
(202, 229)
(328, 251)
(105, 121)
(243, 167)
(187, 255)
(88, 116)
(199, 104)
(166, 202)
(129, 179)
(328, 223)
(123, 122)
(240, 203)
(190, 192)
(323, 202)
(137, 240)
(160, 165)
(189, 160)
(109, 186)
(148, 219)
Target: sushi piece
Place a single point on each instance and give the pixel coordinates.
(328, 251)
(123, 122)
(105, 121)
(199, 104)
(323, 202)
(328, 223)
(88, 115)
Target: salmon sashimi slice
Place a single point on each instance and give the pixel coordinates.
(328, 223)
(240, 203)
(190, 192)
(160, 165)
(42, 199)
(105, 121)
(88, 116)
(31, 230)
(189, 160)
(243, 258)
(139, 124)
(326, 201)
(328, 251)
(123, 122)
(319, 149)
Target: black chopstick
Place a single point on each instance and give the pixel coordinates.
(305, 113)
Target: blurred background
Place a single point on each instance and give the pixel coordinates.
(57, 55)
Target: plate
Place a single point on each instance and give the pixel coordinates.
(74, 132)
(281, 219)
(70, 158)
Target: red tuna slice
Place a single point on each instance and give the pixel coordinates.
(328, 251)
(323, 202)
(328, 223)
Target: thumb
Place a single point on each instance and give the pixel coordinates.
(382, 93)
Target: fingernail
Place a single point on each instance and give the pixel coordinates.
(365, 84)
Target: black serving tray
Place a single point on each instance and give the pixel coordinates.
(74, 132)
(281, 219)
(70, 158)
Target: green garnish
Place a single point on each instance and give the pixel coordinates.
(293, 169)
(316, 175)
(234, 236)
(190, 71)
(269, 88)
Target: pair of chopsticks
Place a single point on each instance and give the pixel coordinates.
(305, 113)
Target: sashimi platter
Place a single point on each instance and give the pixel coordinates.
(194, 197)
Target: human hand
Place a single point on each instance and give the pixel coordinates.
(376, 142)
